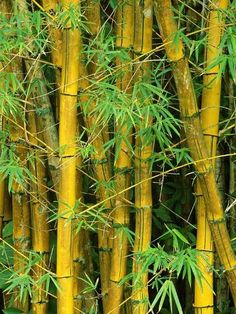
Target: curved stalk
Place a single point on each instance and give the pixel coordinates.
(196, 141)
(210, 111)
(124, 33)
(67, 141)
(143, 152)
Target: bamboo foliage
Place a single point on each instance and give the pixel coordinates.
(210, 111)
(196, 142)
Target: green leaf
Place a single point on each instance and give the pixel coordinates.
(8, 230)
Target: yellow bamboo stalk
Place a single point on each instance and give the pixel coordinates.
(50, 6)
(196, 141)
(39, 215)
(102, 174)
(124, 40)
(98, 135)
(56, 36)
(143, 151)
(20, 201)
(93, 15)
(67, 143)
(232, 166)
(46, 118)
(3, 9)
(78, 243)
(210, 109)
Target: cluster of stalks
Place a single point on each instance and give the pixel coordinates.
(54, 140)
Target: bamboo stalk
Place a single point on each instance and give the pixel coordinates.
(39, 215)
(222, 288)
(143, 152)
(41, 99)
(67, 141)
(124, 40)
(98, 135)
(232, 166)
(20, 200)
(196, 141)
(4, 8)
(78, 243)
(56, 36)
(210, 110)
(102, 174)
(21, 215)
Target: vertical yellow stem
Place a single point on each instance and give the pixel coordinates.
(45, 119)
(78, 243)
(124, 33)
(56, 36)
(143, 152)
(67, 144)
(20, 199)
(39, 215)
(98, 134)
(210, 110)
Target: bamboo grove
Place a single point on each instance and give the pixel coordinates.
(117, 157)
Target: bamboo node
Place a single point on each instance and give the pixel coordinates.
(104, 249)
(203, 306)
(230, 269)
(119, 225)
(99, 161)
(217, 221)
